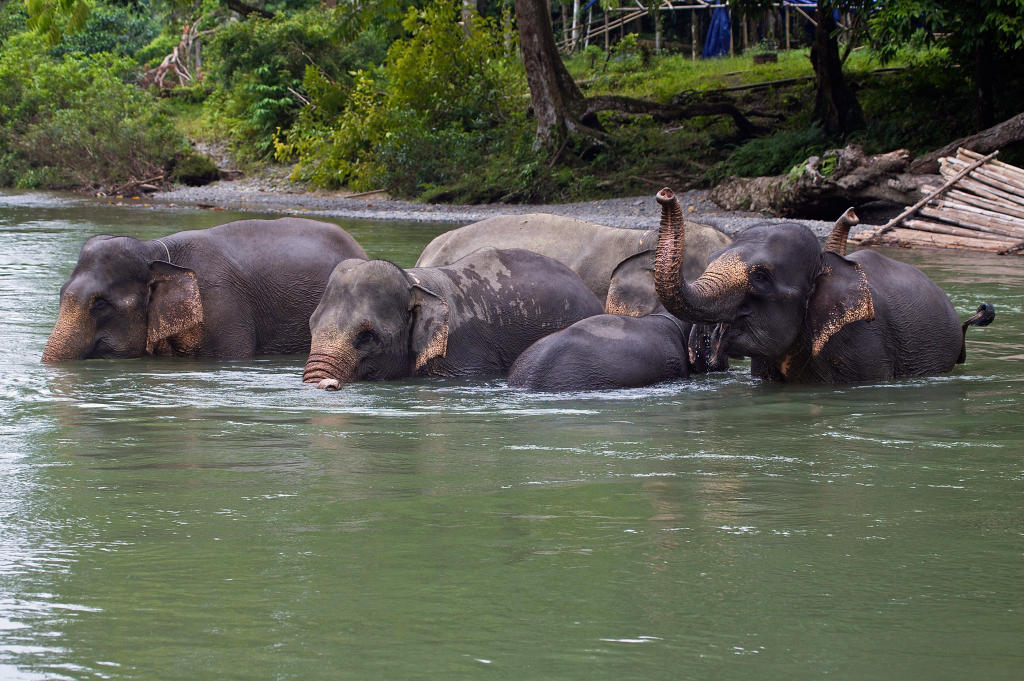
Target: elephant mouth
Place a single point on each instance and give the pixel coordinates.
(325, 370)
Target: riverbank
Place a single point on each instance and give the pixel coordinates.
(274, 194)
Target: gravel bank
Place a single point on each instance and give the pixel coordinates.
(274, 194)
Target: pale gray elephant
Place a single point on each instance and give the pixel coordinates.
(615, 263)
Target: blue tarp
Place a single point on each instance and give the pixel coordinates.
(716, 42)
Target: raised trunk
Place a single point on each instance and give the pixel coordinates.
(715, 295)
(841, 232)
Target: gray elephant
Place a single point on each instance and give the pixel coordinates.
(812, 316)
(236, 290)
(377, 321)
(617, 351)
(603, 257)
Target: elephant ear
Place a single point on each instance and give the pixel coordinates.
(841, 296)
(631, 289)
(175, 314)
(429, 337)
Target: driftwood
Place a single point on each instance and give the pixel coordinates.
(838, 177)
(984, 142)
(979, 207)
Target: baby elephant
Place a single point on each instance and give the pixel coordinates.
(618, 351)
(377, 321)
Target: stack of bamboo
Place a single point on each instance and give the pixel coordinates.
(980, 207)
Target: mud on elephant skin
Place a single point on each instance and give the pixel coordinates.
(377, 321)
(616, 351)
(803, 314)
(230, 291)
(604, 257)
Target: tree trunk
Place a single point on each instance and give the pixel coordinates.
(556, 99)
(998, 136)
(835, 105)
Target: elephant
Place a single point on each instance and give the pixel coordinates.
(378, 321)
(232, 291)
(616, 263)
(808, 315)
(616, 351)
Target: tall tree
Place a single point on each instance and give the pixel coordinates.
(835, 105)
(557, 101)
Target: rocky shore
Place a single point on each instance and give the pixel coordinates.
(274, 194)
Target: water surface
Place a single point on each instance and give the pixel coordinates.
(220, 520)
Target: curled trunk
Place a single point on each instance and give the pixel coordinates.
(841, 232)
(715, 295)
(328, 369)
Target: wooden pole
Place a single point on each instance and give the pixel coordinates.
(785, 15)
(889, 226)
(693, 35)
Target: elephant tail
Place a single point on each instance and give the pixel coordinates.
(984, 316)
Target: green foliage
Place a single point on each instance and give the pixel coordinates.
(432, 111)
(194, 169)
(75, 122)
(259, 66)
(53, 18)
(110, 28)
(772, 155)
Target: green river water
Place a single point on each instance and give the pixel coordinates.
(165, 520)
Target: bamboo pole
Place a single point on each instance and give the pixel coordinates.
(995, 163)
(1013, 224)
(1004, 207)
(981, 189)
(952, 230)
(973, 220)
(915, 237)
(910, 211)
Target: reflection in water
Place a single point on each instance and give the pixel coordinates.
(179, 519)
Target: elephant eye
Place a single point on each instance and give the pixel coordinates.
(366, 337)
(100, 305)
(760, 278)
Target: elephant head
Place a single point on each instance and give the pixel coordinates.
(124, 300)
(774, 290)
(374, 322)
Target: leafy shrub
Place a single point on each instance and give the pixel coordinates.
(772, 155)
(115, 29)
(194, 169)
(75, 122)
(258, 67)
(433, 110)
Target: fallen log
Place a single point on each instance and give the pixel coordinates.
(986, 141)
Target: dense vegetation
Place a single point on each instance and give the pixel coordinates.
(399, 95)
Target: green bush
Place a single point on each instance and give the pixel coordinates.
(258, 67)
(436, 108)
(75, 122)
(772, 155)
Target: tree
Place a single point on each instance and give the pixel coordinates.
(557, 101)
(835, 105)
(985, 37)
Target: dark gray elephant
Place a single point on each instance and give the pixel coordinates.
(807, 315)
(604, 257)
(377, 321)
(617, 351)
(236, 290)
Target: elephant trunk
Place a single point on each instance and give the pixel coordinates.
(715, 295)
(329, 364)
(72, 335)
(840, 231)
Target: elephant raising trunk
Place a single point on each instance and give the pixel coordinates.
(840, 231)
(716, 295)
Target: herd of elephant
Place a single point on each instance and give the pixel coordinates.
(553, 303)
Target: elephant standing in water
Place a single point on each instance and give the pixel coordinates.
(617, 351)
(232, 291)
(377, 321)
(807, 315)
(604, 257)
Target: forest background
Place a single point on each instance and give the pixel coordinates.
(436, 100)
